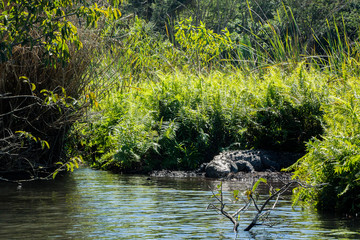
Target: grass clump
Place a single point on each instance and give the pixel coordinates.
(37, 107)
(184, 119)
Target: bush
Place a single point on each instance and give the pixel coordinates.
(183, 119)
(34, 102)
(42, 78)
(335, 159)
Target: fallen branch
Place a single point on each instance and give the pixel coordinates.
(262, 211)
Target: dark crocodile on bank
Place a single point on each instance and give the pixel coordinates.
(232, 162)
(241, 164)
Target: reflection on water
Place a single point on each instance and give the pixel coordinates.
(92, 204)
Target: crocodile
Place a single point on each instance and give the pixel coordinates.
(249, 161)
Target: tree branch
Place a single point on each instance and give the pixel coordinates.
(262, 212)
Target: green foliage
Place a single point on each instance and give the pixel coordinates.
(140, 51)
(202, 45)
(271, 31)
(162, 14)
(70, 165)
(46, 24)
(311, 17)
(40, 42)
(30, 137)
(255, 186)
(335, 159)
(182, 120)
(175, 100)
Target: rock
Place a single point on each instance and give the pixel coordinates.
(249, 161)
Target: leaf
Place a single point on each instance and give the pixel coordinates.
(236, 194)
(71, 166)
(345, 190)
(248, 193)
(47, 144)
(76, 163)
(33, 87)
(257, 183)
(54, 174)
(67, 167)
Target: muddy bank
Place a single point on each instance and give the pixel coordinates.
(271, 176)
(177, 174)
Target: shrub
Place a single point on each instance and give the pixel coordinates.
(183, 119)
(335, 159)
(41, 79)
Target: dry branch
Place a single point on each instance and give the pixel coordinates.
(262, 211)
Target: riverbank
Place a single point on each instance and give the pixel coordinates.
(239, 176)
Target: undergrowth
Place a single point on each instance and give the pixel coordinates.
(184, 119)
(334, 160)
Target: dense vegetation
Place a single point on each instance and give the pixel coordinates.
(43, 63)
(171, 84)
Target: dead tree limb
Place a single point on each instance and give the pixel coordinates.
(262, 211)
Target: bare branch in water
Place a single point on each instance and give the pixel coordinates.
(262, 211)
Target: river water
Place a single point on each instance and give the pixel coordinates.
(89, 204)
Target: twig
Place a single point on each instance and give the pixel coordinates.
(262, 212)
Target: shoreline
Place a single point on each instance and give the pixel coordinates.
(239, 176)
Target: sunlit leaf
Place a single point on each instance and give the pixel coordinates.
(54, 174)
(33, 87)
(236, 194)
(257, 183)
(76, 164)
(248, 194)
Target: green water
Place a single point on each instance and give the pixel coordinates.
(92, 204)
